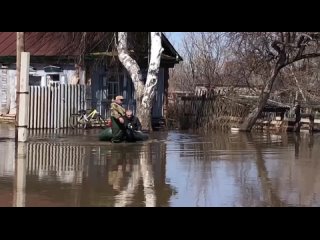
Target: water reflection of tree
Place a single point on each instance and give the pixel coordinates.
(147, 182)
(202, 155)
(201, 162)
(269, 190)
(135, 176)
(236, 152)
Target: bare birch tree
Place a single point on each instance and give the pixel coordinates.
(144, 92)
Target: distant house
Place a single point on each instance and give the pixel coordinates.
(224, 89)
(65, 58)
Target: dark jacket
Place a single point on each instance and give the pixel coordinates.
(297, 111)
(133, 123)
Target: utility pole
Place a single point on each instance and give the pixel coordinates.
(22, 88)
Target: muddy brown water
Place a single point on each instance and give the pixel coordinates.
(172, 169)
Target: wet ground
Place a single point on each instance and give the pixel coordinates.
(176, 169)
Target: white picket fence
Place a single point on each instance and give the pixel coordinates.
(50, 107)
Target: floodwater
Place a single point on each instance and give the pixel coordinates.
(173, 169)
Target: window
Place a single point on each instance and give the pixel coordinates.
(53, 79)
(113, 88)
(114, 82)
(34, 80)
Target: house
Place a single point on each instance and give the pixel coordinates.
(226, 88)
(88, 59)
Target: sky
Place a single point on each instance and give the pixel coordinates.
(176, 38)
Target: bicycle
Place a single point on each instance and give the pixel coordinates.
(84, 120)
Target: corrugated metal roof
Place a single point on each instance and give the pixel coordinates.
(7, 43)
(39, 44)
(64, 43)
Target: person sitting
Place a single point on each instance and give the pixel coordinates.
(118, 120)
(132, 126)
(133, 121)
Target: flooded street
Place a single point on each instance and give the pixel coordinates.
(173, 169)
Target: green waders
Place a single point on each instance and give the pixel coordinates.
(118, 131)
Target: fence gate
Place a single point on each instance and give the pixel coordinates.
(50, 107)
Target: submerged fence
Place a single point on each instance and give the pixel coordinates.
(209, 112)
(50, 107)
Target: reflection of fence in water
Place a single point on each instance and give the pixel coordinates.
(66, 161)
(42, 133)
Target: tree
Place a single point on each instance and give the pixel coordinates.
(205, 54)
(145, 92)
(270, 52)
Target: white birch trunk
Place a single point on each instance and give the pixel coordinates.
(144, 171)
(130, 64)
(125, 197)
(152, 79)
(148, 180)
(298, 84)
(144, 94)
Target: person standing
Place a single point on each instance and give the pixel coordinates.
(297, 111)
(118, 120)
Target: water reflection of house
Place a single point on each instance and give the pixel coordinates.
(7, 149)
(75, 175)
(56, 162)
(7, 159)
(56, 58)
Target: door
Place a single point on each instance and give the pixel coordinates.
(99, 90)
(157, 107)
